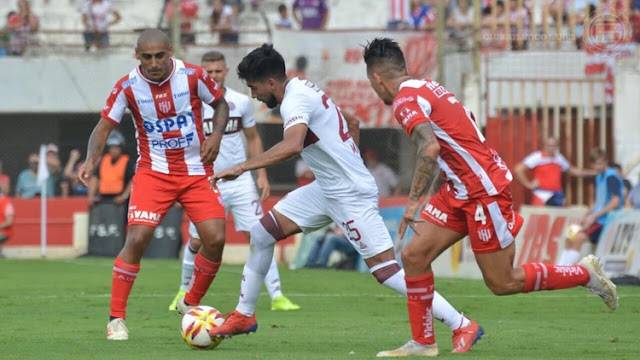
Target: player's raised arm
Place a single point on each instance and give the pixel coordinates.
(95, 148)
(290, 146)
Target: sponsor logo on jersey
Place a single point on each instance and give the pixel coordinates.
(436, 213)
(147, 216)
(401, 101)
(164, 106)
(144, 101)
(295, 118)
(186, 71)
(129, 82)
(233, 126)
(181, 94)
(407, 114)
(173, 143)
(484, 235)
(161, 96)
(168, 124)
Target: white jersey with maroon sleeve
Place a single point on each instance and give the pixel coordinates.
(232, 149)
(329, 150)
(167, 117)
(472, 168)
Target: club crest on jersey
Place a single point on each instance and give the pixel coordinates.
(186, 71)
(232, 106)
(436, 213)
(484, 235)
(164, 106)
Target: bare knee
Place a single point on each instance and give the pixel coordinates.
(214, 240)
(508, 284)
(414, 259)
(195, 243)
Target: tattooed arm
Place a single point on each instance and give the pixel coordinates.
(426, 166)
(211, 146)
(94, 150)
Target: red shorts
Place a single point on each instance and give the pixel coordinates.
(153, 193)
(490, 222)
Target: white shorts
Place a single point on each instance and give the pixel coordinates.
(358, 217)
(241, 198)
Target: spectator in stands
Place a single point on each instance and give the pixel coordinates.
(5, 36)
(332, 240)
(423, 16)
(22, 27)
(95, 17)
(626, 184)
(385, 177)
(224, 20)
(283, 22)
(5, 182)
(608, 197)
(57, 184)
(487, 14)
(461, 20)
(304, 175)
(300, 70)
(27, 184)
(188, 13)
(6, 219)
(71, 172)
(633, 200)
(547, 165)
(112, 180)
(311, 14)
(398, 15)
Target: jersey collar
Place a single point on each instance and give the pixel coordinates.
(173, 71)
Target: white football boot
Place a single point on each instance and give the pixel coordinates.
(117, 330)
(599, 284)
(411, 348)
(183, 308)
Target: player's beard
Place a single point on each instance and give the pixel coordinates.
(271, 102)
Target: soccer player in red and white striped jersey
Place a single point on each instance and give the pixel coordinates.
(471, 198)
(165, 97)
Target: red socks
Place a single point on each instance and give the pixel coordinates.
(540, 276)
(204, 271)
(419, 304)
(123, 277)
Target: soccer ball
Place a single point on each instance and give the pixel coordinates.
(196, 324)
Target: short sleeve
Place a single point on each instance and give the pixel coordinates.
(410, 110)
(613, 186)
(295, 110)
(531, 161)
(247, 117)
(116, 104)
(208, 90)
(563, 162)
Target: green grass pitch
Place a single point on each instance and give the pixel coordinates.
(59, 309)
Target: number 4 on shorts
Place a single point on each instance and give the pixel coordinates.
(480, 216)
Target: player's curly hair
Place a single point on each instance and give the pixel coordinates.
(384, 51)
(262, 63)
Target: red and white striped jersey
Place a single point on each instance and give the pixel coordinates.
(167, 117)
(472, 168)
(398, 10)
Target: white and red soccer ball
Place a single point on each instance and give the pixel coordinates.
(196, 324)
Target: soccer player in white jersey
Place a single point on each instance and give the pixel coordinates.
(240, 195)
(165, 97)
(344, 191)
(471, 198)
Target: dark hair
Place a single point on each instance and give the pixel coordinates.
(597, 154)
(282, 7)
(616, 166)
(384, 50)
(301, 63)
(262, 63)
(212, 56)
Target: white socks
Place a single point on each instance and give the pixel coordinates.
(569, 257)
(272, 280)
(187, 267)
(257, 267)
